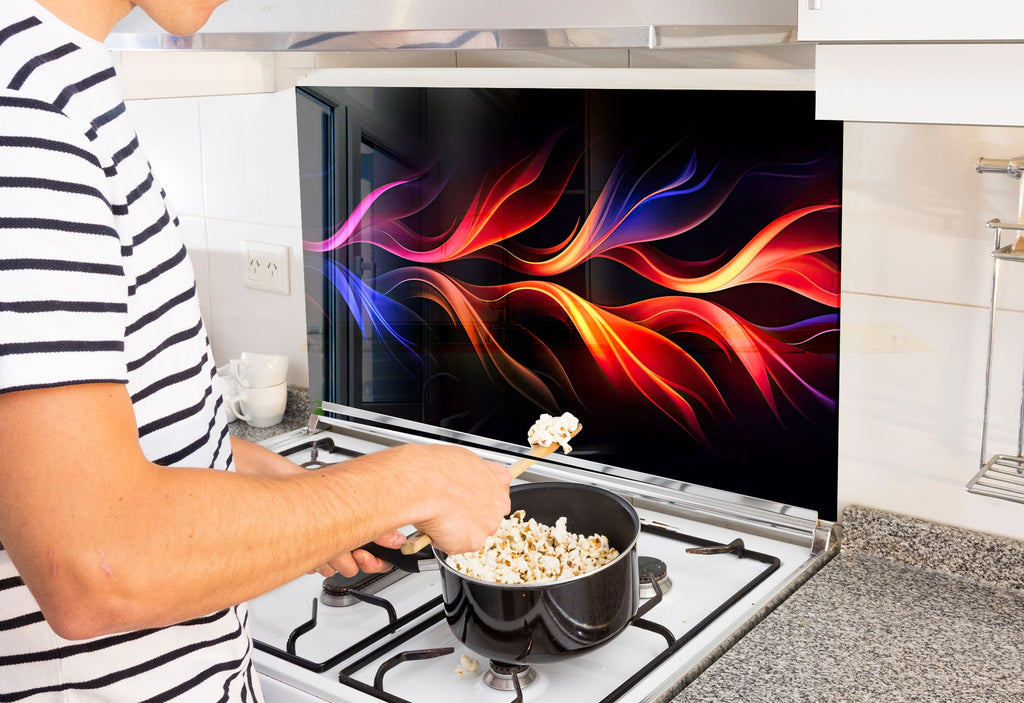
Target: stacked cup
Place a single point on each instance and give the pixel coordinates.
(262, 392)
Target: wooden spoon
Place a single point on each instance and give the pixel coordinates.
(418, 540)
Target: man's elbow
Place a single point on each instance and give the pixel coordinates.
(72, 623)
(83, 604)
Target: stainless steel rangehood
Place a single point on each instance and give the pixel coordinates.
(363, 25)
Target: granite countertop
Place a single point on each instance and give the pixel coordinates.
(296, 415)
(909, 610)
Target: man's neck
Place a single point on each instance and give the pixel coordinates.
(94, 18)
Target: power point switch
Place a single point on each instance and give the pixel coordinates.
(265, 267)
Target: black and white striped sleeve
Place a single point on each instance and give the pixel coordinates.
(63, 291)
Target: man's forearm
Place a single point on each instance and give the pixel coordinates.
(251, 458)
(223, 538)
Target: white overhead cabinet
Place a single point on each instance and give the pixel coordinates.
(910, 20)
(932, 61)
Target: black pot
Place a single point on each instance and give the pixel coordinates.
(543, 622)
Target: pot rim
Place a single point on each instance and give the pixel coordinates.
(441, 556)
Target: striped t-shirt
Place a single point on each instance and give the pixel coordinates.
(95, 286)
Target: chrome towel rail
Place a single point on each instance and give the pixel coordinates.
(1002, 475)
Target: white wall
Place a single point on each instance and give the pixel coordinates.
(916, 284)
(230, 167)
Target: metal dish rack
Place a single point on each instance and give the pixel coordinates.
(1001, 475)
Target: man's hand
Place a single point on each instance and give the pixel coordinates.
(468, 496)
(465, 497)
(351, 563)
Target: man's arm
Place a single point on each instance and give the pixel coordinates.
(253, 459)
(98, 532)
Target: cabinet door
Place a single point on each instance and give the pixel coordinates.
(910, 20)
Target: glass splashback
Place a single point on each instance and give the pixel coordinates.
(662, 264)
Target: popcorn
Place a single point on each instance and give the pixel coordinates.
(550, 430)
(525, 551)
(467, 665)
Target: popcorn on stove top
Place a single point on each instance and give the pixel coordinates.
(467, 665)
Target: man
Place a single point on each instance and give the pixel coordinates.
(124, 556)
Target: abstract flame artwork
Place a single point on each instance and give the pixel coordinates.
(662, 264)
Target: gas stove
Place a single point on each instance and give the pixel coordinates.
(712, 565)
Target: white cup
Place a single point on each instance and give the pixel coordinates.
(260, 370)
(260, 407)
(228, 387)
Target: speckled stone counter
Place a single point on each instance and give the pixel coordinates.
(908, 611)
(296, 415)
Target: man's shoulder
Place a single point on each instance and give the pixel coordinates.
(27, 123)
(28, 116)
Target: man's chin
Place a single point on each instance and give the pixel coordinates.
(180, 20)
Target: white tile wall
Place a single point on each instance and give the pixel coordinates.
(910, 416)
(914, 210)
(916, 278)
(169, 133)
(193, 233)
(157, 74)
(250, 158)
(244, 319)
(916, 286)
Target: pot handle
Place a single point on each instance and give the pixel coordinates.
(414, 563)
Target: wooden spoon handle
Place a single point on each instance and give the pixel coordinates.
(418, 540)
(415, 542)
(536, 452)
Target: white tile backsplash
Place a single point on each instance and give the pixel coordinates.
(550, 58)
(910, 421)
(162, 74)
(168, 131)
(245, 319)
(914, 210)
(917, 278)
(250, 158)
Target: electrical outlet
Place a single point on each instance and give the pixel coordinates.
(265, 266)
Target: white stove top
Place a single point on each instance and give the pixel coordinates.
(776, 557)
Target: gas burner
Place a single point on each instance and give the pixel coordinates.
(340, 591)
(653, 569)
(315, 463)
(501, 676)
(315, 446)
